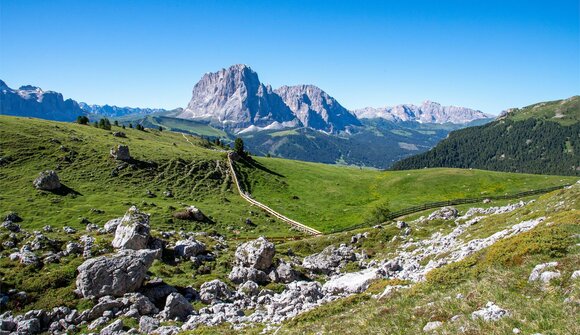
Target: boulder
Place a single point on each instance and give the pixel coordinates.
(176, 307)
(30, 326)
(329, 260)
(11, 226)
(114, 275)
(112, 224)
(257, 254)
(240, 275)
(121, 153)
(445, 213)
(133, 231)
(431, 326)
(148, 324)
(249, 289)
(350, 283)
(284, 273)
(189, 248)
(539, 269)
(491, 312)
(213, 291)
(47, 180)
(114, 328)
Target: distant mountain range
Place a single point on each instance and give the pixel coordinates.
(32, 101)
(542, 138)
(299, 122)
(428, 112)
(117, 112)
(234, 99)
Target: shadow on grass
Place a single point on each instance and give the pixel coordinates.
(65, 190)
(255, 164)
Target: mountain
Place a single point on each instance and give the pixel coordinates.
(540, 138)
(234, 99)
(32, 101)
(428, 112)
(316, 109)
(115, 111)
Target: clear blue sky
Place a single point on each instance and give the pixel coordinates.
(488, 55)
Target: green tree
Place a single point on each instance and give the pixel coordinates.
(116, 123)
(82, 119)
(239, 146)
(160, 128)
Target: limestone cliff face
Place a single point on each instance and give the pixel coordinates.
(316, 109)
(234, 99)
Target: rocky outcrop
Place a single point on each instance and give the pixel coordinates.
(47, 180)
(114, 275)
(32, 101)
(133, 231)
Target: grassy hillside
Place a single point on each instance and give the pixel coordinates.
(192, 171)
(542, 138)
(330, 197)
(378, 144)
(183, 126)
(565, 112)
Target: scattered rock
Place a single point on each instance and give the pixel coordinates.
(445, 213)
(402, 224)
(113, 328)
(176, 306)
(329, 260)
(257, 254)
(11, 226)
(69, 230)
(47, 180)
(191, 213)
(491, 312)
(119, 134)
(114, 275)
(431, 326)
(189, 248)
(12, 216)
(148, 324)
(213, 291)
(575, 275)
(354, 282)
(111, 225)
(539, 270)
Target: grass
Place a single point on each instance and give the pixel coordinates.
(196, 175)
(565, 112)
(498, 273)
(184, 125)
(328, 197)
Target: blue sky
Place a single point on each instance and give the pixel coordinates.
(488, 55)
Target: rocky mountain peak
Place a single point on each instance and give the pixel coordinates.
(234, 99)
(316, 109)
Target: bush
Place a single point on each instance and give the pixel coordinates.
(378, 215)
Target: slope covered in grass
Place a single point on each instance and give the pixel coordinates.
(330, 197)
(98, 188)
